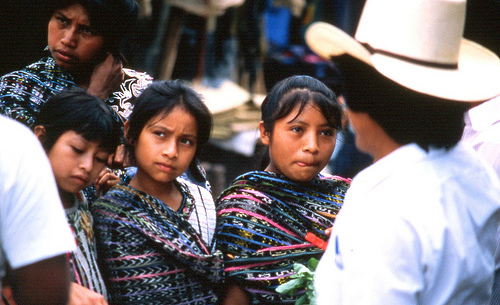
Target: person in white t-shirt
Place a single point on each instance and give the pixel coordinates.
(34, 234)
(419, 225)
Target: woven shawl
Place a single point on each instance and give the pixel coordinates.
(151, 254)
(266, 223)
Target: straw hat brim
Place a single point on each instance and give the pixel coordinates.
(477, 77)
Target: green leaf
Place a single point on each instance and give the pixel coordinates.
(290, 286)
(302, 300)
(299, 268)
(302, 280)
(312, 264)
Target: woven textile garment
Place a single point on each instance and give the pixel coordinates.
(84, 260)
(266, 223)
(23, 92)
(153, 255)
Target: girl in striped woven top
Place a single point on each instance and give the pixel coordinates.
(79, 133)
(268, 220)
(153, 233)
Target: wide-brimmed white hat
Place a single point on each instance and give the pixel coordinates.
(418, 44)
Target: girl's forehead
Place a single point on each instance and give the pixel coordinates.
(175, 117)
(173, 113)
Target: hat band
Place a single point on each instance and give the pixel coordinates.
(409, 59)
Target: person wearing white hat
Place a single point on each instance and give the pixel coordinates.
(419, 225)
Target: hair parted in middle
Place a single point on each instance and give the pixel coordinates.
(300, 90)
(160, 98)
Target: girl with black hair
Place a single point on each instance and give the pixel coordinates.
(154, 232)
(79, 133)
(270, 219)
(84, 38)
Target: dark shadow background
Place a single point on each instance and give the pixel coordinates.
(23, 29)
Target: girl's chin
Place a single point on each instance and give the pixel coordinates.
(76, 69)
(304, 177)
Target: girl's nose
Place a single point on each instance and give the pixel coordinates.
(87, 163)
(70, 38)
(170, 149)
(311, 143)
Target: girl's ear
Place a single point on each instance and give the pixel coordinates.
(264, 134)
(40, 132)
(126, 128)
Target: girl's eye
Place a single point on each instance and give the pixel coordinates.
(87, 30)
(296, 129)
(62, 20)
(77, 150)
(159, 133)
(327, 132)
(187, 141)
(101, 160)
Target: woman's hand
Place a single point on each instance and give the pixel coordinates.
(235, 296)
(107, 178)
(80, 295)
(106, 77)
(119, 158)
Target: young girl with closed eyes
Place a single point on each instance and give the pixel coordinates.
(153, 233)
(270, 219)
(79, 132)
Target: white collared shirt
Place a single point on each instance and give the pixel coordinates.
(482, 131)
(415, 228)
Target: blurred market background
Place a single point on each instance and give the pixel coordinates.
(232, 52)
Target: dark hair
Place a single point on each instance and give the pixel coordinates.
(405, 115)
(74, 109)
(161, 97)
(112, 19)
(300, 90)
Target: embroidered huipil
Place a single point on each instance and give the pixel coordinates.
(266, 223)
(23, 92)
(151, 254)
(83, 261)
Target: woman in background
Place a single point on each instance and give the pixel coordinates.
(84, 38)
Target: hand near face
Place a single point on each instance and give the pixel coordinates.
(106, 77)
(105, 181)
(119, 158)
(80, 295)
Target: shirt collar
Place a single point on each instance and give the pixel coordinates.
(484, 115)
(395, 161)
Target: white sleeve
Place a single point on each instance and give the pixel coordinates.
(32, 220)
(367, 263)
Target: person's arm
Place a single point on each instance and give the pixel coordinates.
(43, 282)
(235, 295)
(80, 295)
(106, 77)
(34, 232)
(382, 254)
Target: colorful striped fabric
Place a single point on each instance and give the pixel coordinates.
(84, 260)
(23, 92)
(152, 255)
(266, 223)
